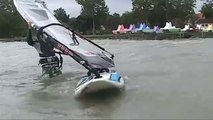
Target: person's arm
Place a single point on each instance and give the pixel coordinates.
(29, 35)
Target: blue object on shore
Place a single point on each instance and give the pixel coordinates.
(115, 77)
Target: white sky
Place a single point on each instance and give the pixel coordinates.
(118, 6)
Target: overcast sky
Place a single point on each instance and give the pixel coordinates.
(118, 6)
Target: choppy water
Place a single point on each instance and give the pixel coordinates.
(164, 80)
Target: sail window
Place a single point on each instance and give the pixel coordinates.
(39, 15)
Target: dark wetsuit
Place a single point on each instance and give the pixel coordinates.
(44, 49)
(49, 61)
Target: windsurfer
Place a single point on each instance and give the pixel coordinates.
(48, 59)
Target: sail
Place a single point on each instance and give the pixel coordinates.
(84, 51)
(76, 46)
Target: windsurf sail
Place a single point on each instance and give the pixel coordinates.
(87, 53)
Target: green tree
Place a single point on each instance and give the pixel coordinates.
(182, 9)
(113, 21)
(157, 15)
(127, 18)
(160, 11)
(11, 23)
(95, 10)
(84, 24)
(7, 5)
(73, 23)
(141, 9)
(61, 15)
(207, 9)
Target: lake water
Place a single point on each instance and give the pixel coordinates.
(164, 80)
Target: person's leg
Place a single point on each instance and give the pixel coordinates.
(46, 69)
(56, 68)
(47, 72)
(57, 71)
(50, 67)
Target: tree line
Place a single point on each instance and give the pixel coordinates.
(11, 23)
(96, 19)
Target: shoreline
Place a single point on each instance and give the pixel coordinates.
(135, 36)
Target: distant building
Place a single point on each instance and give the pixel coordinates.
(205, 21)
(202, 23)
(200, 15)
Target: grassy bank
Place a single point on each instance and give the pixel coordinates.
(13, 39)
(154, 36)
(137, 36)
